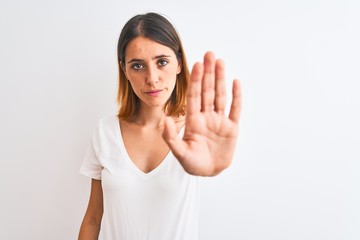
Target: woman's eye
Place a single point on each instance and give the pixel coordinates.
(163, 62)
(137, 66)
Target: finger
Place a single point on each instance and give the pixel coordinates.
(208, 82)
(220, 88)
(194, 89)
(235, 109)
(172, 139)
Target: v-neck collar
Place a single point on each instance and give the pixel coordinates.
(130, 162)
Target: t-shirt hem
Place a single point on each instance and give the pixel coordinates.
(90, 174)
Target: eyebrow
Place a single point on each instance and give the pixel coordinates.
(156, 57)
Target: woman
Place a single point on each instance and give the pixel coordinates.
(170, 128)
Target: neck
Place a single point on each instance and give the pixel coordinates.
(152, 117)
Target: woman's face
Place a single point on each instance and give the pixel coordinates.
(151, 69)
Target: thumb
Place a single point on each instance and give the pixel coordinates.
(172, 139)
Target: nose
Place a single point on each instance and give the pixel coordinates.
(152, 75)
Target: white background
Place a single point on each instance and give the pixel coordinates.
(297, 170)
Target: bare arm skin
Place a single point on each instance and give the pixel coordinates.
(210, 136)
(90, 226)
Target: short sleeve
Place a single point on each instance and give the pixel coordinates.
(91, 166)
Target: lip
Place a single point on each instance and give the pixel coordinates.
(154, 92)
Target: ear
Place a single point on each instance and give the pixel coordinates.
(123, 68)
(179, 67)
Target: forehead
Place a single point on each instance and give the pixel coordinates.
(141, 47)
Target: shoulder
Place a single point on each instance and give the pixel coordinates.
(108, 119)
(107, 127)
(106, 136)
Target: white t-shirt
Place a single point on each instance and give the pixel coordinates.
(160, 205)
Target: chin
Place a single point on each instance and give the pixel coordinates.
(154, 104)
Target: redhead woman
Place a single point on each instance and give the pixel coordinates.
(171, 128)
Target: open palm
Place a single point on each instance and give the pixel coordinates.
(210, 136)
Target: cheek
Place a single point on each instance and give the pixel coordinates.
(172, 83)
(171, 73)
(128, 74)
(135, 86)
(135, 80)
